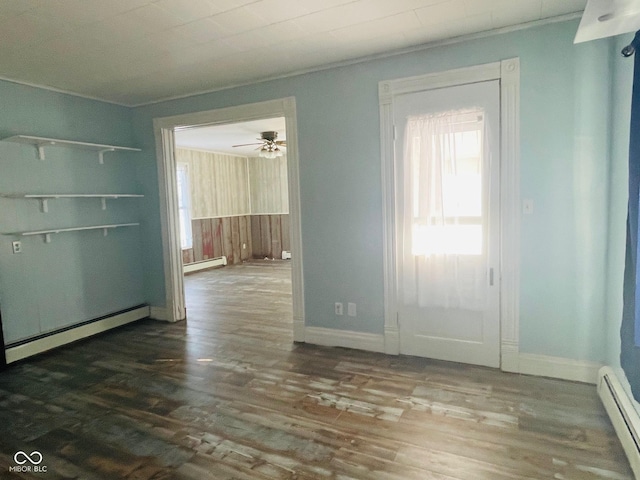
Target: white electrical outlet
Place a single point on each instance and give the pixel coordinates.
(17, 247)
(351, 309)
(339, 308)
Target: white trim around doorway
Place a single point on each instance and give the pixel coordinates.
(508, 73)
(164, 128)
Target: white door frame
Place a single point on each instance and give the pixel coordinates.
(508, 73)
(166, 161)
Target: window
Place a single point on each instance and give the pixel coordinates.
(186, 238)
(446, 154)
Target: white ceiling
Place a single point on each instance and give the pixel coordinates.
(221, 138)
(140, 51)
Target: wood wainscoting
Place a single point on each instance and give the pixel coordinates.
(270, 235)
(239, 238)
(217, 237)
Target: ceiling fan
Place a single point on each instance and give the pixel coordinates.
(269, 147)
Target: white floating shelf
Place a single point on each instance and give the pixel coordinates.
(41, 142)
(47, 233)
(51, 196)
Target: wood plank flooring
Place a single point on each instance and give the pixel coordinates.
(227, 395)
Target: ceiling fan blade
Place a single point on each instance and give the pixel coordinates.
(281, 143)
(246, 144)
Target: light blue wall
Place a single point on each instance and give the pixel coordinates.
(565, 131)
(574, 112)
(78, 276)
(621, 115)
(565, 114)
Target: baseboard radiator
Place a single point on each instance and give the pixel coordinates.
(42, 343)
(623, 415)
(204, 264)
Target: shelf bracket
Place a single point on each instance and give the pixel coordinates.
(105, 232)
(47, 238)
(44, 205)
(40, 150)
(101, 154)
(103, 202)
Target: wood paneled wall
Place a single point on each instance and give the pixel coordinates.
(239, 206)
(270, 235)
(219, 183)
(269, 188)
(215, 237)
(239, 238)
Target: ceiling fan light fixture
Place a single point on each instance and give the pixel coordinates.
(269, 146)
(267, 154)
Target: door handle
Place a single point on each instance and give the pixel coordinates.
(491, 277)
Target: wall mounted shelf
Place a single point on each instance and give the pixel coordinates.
(44, 198)
(47, 233)
(40, 142)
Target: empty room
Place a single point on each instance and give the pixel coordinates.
(349, 239)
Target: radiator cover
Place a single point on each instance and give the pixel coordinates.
(623, 414)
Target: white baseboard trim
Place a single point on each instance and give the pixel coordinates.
(512, 360)
(298, 329)
(556, 367)
(391, 340)
(194, 267)
(159, 313)
(331, 337)
(623, 414)
(40, 345)
(509, 357)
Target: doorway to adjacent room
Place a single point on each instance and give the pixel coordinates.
(168, 168)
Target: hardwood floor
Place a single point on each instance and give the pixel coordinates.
(227, 395)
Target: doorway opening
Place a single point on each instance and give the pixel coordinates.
(233, 208)
(233, 196)
(173, 179)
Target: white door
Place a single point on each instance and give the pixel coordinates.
(447, 239)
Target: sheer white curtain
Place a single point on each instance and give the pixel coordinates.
(443, 210)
